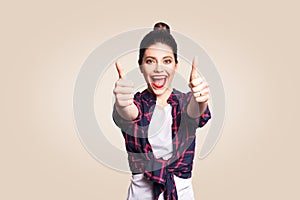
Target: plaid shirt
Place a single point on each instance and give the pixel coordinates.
(140, 156)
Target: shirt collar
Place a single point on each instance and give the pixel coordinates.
(172, 100)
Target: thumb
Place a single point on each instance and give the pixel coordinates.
(119, 69)
(194, 72)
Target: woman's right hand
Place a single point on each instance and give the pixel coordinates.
(124, 94)
(124, 89)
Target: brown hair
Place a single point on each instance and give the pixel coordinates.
(159, 34)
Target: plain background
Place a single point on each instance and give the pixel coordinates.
(254, 44)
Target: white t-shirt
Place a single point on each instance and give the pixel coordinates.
(160, 138)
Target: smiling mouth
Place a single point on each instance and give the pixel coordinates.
(158, 81)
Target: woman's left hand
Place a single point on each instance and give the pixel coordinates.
(198, 85)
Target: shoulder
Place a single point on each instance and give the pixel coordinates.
(144, 95)
(181, 96)
(139, 95)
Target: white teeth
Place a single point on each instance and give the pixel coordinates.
(158, 77)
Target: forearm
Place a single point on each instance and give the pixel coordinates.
(128, 112)
(195, 109)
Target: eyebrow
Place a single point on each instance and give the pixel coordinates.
(162, 58)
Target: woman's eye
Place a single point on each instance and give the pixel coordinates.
(149, 62)
(167, 61)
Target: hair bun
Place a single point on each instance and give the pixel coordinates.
(162, 26)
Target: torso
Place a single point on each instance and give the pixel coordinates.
(160, 138)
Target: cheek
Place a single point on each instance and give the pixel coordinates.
(170, 70)
(146, 70)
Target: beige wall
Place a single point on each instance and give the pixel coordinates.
(254, 44)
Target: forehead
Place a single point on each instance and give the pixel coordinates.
(159, 50)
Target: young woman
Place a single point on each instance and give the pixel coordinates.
(159, 124)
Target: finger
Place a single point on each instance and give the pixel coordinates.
(123, 90)
(124, 103)
(196, 82)
(202, 98)
(124, 83)
(119, 69)
(200, 87)
(201, 93)
(124, 96)
(204, 91)
(194, 73)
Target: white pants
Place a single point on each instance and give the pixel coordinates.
(142, 189)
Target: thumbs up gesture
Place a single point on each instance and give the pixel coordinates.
(198, 84)
(124, 89)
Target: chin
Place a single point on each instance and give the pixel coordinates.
(159, 91)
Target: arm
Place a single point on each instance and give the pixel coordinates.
(129, 112)
(199, 87)
(195, 109)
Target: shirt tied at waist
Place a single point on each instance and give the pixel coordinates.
(161, 173)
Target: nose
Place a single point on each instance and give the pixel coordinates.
(158, 68)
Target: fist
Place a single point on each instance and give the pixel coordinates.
(198, 85)
(124, 89)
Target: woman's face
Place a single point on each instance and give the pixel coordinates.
(158, 67)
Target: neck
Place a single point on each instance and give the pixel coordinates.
(161, 100)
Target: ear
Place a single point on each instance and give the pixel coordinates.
(176, 66)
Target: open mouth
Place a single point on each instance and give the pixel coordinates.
(158, 81)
